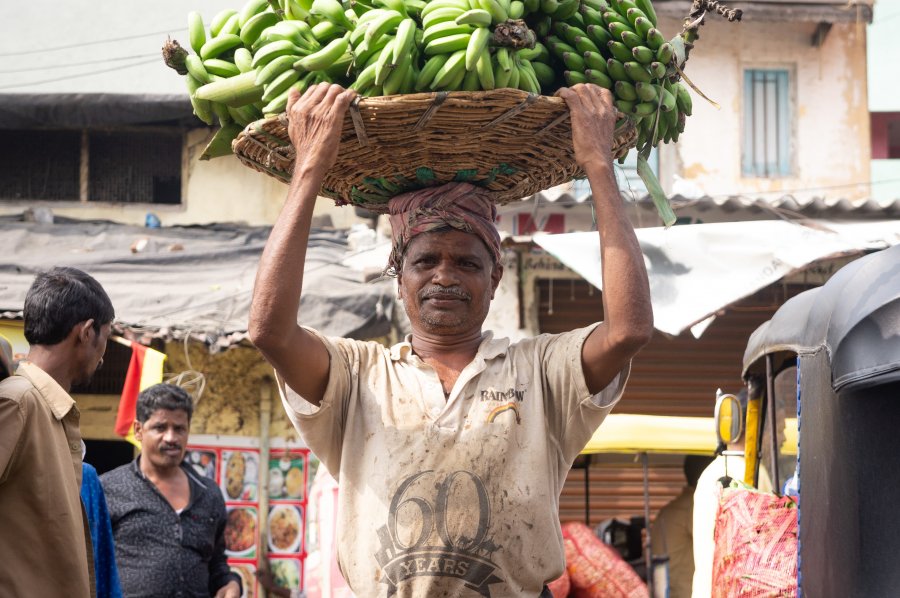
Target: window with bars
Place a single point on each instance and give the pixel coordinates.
(767, 131)
(117, 166)
(630, 184)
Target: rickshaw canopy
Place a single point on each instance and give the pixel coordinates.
(855, 316)
(863, 328)
(627, 433)
(781, 336)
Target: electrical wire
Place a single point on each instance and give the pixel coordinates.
(85, 63)
(79, 75)
(93, 43)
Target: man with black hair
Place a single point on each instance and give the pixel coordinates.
(168, 522)
(45, 544)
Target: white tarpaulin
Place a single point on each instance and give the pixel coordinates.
(697, 269)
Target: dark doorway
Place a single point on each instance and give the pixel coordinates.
(105, 455)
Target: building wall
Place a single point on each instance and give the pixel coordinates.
(221, 190)
(830, 137)
(218, 190)
(884, 101)
(884, 84)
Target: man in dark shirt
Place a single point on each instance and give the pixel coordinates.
(168, 522)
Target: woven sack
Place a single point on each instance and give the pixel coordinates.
(509, 141)
(595, 569)
(755, 545)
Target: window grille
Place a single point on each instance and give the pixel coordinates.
(116, 166)
(40, 165)
(135, 167)
(766, 151)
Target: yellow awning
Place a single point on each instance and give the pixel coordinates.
(627, 433)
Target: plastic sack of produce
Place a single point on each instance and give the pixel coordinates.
(595, 569)
(756, 545)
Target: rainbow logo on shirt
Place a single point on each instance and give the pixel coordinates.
(497, 411)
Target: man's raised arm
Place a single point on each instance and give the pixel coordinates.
(628, 316)
(314, 125)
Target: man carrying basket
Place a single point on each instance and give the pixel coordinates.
(450, 448)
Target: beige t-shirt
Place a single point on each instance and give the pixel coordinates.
(457, 496)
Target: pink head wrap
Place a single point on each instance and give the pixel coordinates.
(461, 206)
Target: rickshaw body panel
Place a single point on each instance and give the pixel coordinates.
(847, 349)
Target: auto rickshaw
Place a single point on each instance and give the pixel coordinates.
(823, 379)
(644, 437)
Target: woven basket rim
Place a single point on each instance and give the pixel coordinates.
(519, 144)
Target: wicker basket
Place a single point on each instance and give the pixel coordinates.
(511, 142)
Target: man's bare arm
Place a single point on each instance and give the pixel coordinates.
(628, 316)
(314, 124)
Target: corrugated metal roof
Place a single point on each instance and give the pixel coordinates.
(819, 207)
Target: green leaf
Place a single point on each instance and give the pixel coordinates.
(656, 193)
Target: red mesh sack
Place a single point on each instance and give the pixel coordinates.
(756, 545)
(595, 569)
(560, 586)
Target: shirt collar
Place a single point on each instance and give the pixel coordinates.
(194, 482)
(488, 349)
(57, 399)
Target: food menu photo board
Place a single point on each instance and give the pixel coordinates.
(233, 464)
(288, 473)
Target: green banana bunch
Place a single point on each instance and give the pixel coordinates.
(250, 59)
(615, 44)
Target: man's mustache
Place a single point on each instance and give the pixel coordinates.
(168, 447)
(439, 291)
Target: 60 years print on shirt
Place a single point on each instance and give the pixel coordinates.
(433, 530)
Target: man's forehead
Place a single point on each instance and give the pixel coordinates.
(171, 415)
(454, 241)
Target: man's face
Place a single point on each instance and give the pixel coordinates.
(164, 437)
(447, 282)
(93, 347)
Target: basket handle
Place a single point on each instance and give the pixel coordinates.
(439, 99)
(528, 101)
(358, 125)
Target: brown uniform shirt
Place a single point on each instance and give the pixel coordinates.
(45, 544)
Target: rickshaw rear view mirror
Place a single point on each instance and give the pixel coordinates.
(729, 418)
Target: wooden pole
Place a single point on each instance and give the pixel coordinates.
(648, 554)
(265, 419)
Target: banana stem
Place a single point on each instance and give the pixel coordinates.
(276, 8)
(174, 55)
(514, 33)
(699, 8)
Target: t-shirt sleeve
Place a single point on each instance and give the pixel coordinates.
(322, 426)
(574, 412)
